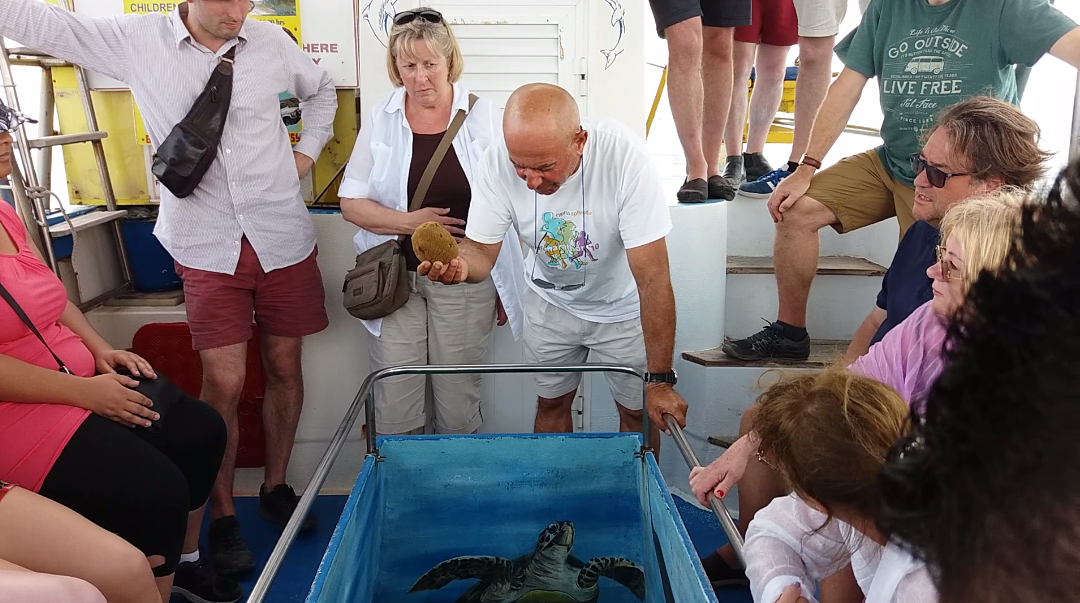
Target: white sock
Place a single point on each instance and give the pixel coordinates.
(190, 557)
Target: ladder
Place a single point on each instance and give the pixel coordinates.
(31, 186)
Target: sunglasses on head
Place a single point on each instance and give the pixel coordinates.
(936, 177)
(408, 16)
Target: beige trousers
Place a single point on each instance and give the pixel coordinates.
(440, 324)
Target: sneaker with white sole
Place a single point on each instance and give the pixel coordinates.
(763, 187)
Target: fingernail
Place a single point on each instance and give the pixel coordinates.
(720, 494)
(156, 416)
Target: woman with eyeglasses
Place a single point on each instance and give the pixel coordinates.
(827, 436)
(976, 235)
(439, 324)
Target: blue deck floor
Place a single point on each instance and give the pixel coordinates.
(293, 582)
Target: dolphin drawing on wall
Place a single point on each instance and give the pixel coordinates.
(380, 24)
(618, 21)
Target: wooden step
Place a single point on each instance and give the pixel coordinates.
(823, 352)
(722, 441)
(830, 264)
(156, 298)
(84, 221)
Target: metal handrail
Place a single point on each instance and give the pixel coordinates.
(718, 508)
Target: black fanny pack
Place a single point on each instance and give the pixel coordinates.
(187, 153)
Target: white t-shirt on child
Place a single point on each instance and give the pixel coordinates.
(578, 235)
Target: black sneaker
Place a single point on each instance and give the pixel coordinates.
(769, 343)
(755, 165)
(197, 582)
(228, 552)
(733, 170)
(278, 505)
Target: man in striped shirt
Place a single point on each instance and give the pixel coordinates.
(243, 241)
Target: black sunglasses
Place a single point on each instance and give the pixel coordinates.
(408, 16)
(936, 177)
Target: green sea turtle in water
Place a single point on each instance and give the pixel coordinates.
(548, 574)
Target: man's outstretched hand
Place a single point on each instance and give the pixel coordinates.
(448, 274)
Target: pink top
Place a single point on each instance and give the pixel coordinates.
(32, 435)
(908, 358)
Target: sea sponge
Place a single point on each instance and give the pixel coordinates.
(433, 243)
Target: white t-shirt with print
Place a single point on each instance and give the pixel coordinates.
(579, 234)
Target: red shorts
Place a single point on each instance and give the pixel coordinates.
(288, 302)
(774, 23)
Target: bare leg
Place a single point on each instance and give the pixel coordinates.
(795, 253)
(284, 401)
(223, 380)
(630, 422)
(716, 69)
(770, 64)
(20, 584)
(685, 92)
(743, 60)
(815, 74)
(43, 536)
(555, 415)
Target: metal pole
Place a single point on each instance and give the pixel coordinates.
(292, 528)
(721, 512)
(1074, 144)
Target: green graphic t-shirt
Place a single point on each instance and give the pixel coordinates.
(929, 57)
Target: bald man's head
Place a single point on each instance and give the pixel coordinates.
(544, 138)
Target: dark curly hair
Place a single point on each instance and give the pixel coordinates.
(986, 488)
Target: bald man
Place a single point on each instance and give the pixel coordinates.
(586, 200)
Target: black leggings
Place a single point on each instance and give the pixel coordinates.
(139, 483)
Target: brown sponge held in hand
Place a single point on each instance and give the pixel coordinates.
(433, 243)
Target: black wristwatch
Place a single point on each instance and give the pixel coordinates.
(665, 377)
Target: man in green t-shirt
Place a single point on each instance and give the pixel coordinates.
(926, 55)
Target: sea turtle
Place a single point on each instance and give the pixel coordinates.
(550, 573)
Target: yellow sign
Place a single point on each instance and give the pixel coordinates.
(133, 7)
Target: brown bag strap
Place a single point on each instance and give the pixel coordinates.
(440, 152)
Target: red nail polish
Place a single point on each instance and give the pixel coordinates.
(720, 493)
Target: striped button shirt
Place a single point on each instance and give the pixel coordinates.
(252, 188)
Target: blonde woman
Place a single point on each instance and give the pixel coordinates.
(976, 235)
(439, 324)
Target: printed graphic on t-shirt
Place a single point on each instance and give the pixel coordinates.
(922, 73)
(564, 245)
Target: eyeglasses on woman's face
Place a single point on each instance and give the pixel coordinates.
(949, 270)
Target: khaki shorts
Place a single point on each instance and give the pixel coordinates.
(440, 324)
(861, 192)
(554, 336)
(820, 18)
